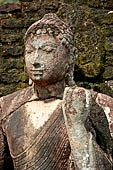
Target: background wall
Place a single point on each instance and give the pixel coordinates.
(6, 1)
(92, 24)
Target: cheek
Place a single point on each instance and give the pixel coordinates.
(62, 62)
(61, 57)
(28, 65)
(48, 60)
(27, 60)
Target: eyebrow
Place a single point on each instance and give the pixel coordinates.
(49, 43)
(44, 44)
(31, 46)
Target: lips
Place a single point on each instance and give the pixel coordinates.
(37, 72)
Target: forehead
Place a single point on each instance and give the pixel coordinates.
(41, 39)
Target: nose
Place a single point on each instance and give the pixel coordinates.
(34, 58)
(36, 61)
(38, 65)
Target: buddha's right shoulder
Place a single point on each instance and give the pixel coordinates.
(13, 101)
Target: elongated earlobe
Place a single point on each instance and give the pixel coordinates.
(30, 82)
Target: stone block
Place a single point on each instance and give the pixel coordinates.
(51, 5)
(12, 23)
(10, 8)
(10, 77)
(29, 21)
(106, 30)
(109, 44)
(12, 37)
(94, 3)
(108, 4)
(100, 3)
(12, 50)
(109, 58)
(11, 63)
(92, 69)
(108, 18)
(30, 6)
(7, 89)
(26, 0)
(108, 73)
(103, 17)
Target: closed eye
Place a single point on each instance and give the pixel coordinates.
(48, 49)
(29, 51)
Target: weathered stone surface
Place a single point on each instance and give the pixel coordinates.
(90, 46)
(87, 114)
(100, 3)
(12, 50)
(10, 7)
(31, 6)
(91, 23)
(109, 44)
(109, 58)
(104, 88)
(106, 103)
(25, 0)
(43, 143)
(12, 23)
(108, 73)
(11, 36)
(51, 5)
(94, 110)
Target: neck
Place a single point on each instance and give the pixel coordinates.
(50, 91)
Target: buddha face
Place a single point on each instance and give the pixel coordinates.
(46, 59)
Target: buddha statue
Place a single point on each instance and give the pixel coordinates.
(50, 125)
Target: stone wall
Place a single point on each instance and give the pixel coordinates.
(92, 24)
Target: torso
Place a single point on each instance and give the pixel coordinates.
(37, 136)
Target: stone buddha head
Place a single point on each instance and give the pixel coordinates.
(49, 51)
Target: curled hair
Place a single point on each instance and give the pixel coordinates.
(50, 24)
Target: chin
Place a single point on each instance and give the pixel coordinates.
(38, 78)
(44, 80)
(38, 81)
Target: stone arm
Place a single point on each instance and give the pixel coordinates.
(5, 158)
(77, 106)
(2, 144)
(2, 149)
(6, 162)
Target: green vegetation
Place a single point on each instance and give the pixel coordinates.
(7, 1)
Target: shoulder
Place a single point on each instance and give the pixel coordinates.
(13, 101)
(89, 96)
(102, 100)
(105, 102)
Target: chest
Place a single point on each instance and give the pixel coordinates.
(32, 121)
(38, 113)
